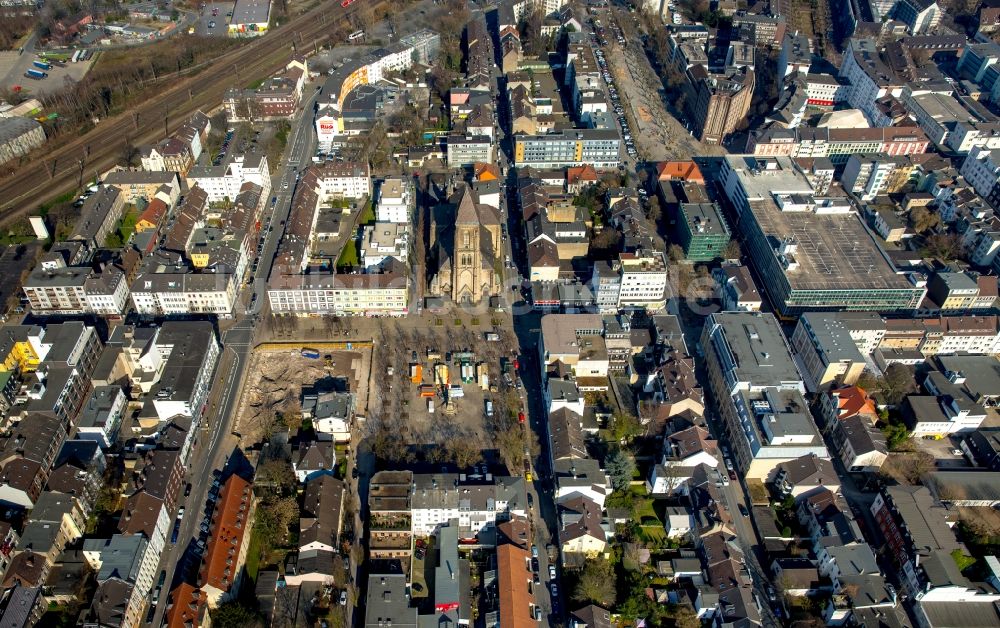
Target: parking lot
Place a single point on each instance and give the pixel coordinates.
(55, 81)
(641, 100)
(214, 18)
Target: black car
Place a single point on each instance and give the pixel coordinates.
(534, 564)
(187, 489)
(354, 473)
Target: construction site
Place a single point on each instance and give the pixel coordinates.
(279, 373)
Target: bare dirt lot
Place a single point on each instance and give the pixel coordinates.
(276, 377)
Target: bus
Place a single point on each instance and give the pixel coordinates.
(356, 35)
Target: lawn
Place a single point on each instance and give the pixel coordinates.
(253, 555)
(653, 535)
(348, 256)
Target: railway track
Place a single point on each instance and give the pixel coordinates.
(61, 170)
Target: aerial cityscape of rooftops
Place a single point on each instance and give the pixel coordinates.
(500, 313)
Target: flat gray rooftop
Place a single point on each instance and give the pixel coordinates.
(251, 12)
(835, 251)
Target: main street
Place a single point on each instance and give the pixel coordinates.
(216, 441)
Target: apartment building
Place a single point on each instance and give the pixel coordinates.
(124, 563)
(916, 529)
(643, 283)
(139, 185)
(869, 76)
(420, 47)
(868, 176)
(27, 458)
(395, 201)
(382, 293)
(228, 541)
(54, 288)
(224, 182)
(98, 216)
(826, 351)
(759, 391)
(339, 180)
(180, 293)
(186, 376)
(477, 504)
(575, 147)
(722, 101)
(277, 98)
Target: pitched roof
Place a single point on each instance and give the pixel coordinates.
(468, 211)
(485, 171)
(514, 577)
(684, 170)
(229, 523)
(321, 511)
(853, 401)
(185, 606)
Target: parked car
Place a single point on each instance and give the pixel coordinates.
(343, 598)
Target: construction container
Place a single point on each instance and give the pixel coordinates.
(483, 374)
(441, 374)
(455, 391)
(416, 373)
(430, 406)
(427, 390)
(468, 373)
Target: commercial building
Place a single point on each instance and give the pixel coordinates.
(954, 124)
(759, 391)
(721, 102)
(250, 18)
(420, 47)
(464, 151)
(702, 231)
(837, 144)
(18, 137)
(813, 252)
(575, 147)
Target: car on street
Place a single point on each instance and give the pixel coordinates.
(743, 510)
(187, 489)
(343, 598)
(552, 572)
(534, 564)
(354, 473)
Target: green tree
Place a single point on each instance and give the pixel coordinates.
(624, 427)
(596, 584)
(620, 466)
(235, 615)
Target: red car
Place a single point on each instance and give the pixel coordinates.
(346, 3)
(520, 417)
